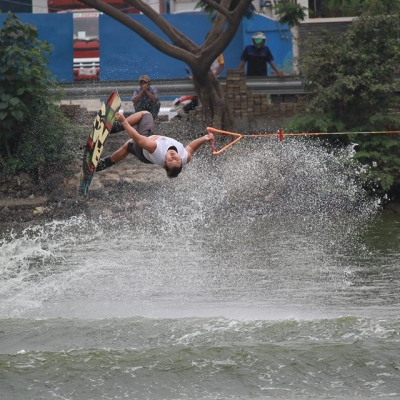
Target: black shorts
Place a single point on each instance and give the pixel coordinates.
(145, 128)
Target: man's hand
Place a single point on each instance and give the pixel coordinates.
(119, 117)
(209, 137)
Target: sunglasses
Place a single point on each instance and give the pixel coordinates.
(144, 81)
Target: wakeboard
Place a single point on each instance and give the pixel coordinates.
(95, 144)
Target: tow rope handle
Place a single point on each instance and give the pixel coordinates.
(213, 130)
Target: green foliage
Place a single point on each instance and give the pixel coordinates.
(32, 130)
(290, 13)
(49, 142)
(341, 8)
(382, 152)
(314, 123)
(211, 10)
(381, 7)
(351, 86)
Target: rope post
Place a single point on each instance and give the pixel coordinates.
(280, 134)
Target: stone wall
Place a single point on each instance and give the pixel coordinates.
(250, 108)
(252, 111)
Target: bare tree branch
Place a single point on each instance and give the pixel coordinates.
(180, 47)
(176, 36)
(221, 33)
(183, 49)
(218, 7)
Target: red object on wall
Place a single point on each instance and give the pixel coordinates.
(86, 34)
(59, 5)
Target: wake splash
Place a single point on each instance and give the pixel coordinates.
(215, 232)
(262, 179)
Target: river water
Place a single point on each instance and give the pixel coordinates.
(265, 272)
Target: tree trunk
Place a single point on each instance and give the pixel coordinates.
(216, 111)
(199, 58)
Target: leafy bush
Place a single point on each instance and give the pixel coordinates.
(335, 8)
(34, 134)
(351, 86)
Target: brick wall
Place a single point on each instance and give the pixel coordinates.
(247, 104)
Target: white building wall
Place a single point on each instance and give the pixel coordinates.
(182, 5)
(39, 7)
(154, 4)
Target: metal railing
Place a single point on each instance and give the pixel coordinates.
(173, 87)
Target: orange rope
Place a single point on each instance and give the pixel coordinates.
(318, 133)
(280, 135)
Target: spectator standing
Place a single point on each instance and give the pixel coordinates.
(218, 65)
(145, 97)
(257, 55)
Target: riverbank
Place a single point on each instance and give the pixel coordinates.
(56, 197)
(113, 191)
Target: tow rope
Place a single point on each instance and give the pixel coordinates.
(280, 135)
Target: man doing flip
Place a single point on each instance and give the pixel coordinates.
(149, 148)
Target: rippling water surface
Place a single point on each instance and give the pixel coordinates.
(262, 273)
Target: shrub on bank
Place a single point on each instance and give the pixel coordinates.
(35, 136)
(351, 87)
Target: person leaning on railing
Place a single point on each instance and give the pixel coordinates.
(257, 55)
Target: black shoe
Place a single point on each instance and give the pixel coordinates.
(104, 163)
(117, 127)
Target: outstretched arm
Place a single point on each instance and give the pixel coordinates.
(143, 141)
(275, 68)
(193, 146)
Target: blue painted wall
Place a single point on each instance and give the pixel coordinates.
(133, 56)
(125, 55)
(56, 29)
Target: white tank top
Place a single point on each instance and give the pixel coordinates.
(163, 144)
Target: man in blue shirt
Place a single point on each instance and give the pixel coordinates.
(257, 55)
(145, 98)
